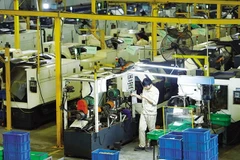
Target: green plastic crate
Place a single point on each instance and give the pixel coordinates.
(179, 126)
(1, 152)
(38, 155)
(155, 134)
(220, 119)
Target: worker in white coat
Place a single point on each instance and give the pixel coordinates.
(149, 97)
(141, 41)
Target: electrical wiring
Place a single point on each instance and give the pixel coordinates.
(40, 90)
(19, 107)
(91, 88)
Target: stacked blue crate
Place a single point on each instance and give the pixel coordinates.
(213, 147)
(105, 154)
(170, 146)
(199, 144)
(16, 145)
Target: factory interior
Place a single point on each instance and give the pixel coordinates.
(72, 82)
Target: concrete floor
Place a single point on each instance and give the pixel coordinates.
(43, 139)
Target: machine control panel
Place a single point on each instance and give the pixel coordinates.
(33, 85)
(236, 97)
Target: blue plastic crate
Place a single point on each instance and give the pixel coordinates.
(196, 135)
(3, 94)
(104, 154)
(16, 147)
(195, 155)
(16, 155)
(213, 151)
(171, 141)
(165, 153)
(195, 146)
(16, 137)
(214, 158)
(213, 140)
(176, 133)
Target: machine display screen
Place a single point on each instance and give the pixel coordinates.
(236, 97)
(236, 94)
(109, 43)
(76, 50)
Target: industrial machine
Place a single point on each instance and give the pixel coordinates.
(136, 53)
(68, 50)
(101, 116)
(219, 57)
(89, 40)
(7, 27)
(197, 90)
(27, 40)
(226, 93)
(27, 37)
(105, 56)
(47, 30)
(33, 90)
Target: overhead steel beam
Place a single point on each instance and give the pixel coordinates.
(121, 18)
(223, 2)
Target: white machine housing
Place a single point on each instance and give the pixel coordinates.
(192, 86)
(46, 86)
(136, 53)
(28, 40)
(106, 56)
(232, 109)
(89, 40)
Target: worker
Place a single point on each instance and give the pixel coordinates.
(141, 41)
(149, 97)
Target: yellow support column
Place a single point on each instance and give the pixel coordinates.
(93, 9)
(16, 26)
(57, 39)
(239, 12)
(65, 5)
(154, 29)
(124, 8)
(8, 87)
(40, 5)
(219, 11)
(206, 66)
(189, 16)
(102, 38)
(194, 7)
(28, 23)
(38, 45)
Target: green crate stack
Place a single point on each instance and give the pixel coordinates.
(180, 126)
(38, 155)
(220, 119)
(155, 134)
(1, 153)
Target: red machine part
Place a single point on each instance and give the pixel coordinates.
(82, 106)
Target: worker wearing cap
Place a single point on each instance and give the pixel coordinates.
(141, 41)
(149, 97)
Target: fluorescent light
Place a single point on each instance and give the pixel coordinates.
(46, 6)
(159, 66)
(154, 74)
